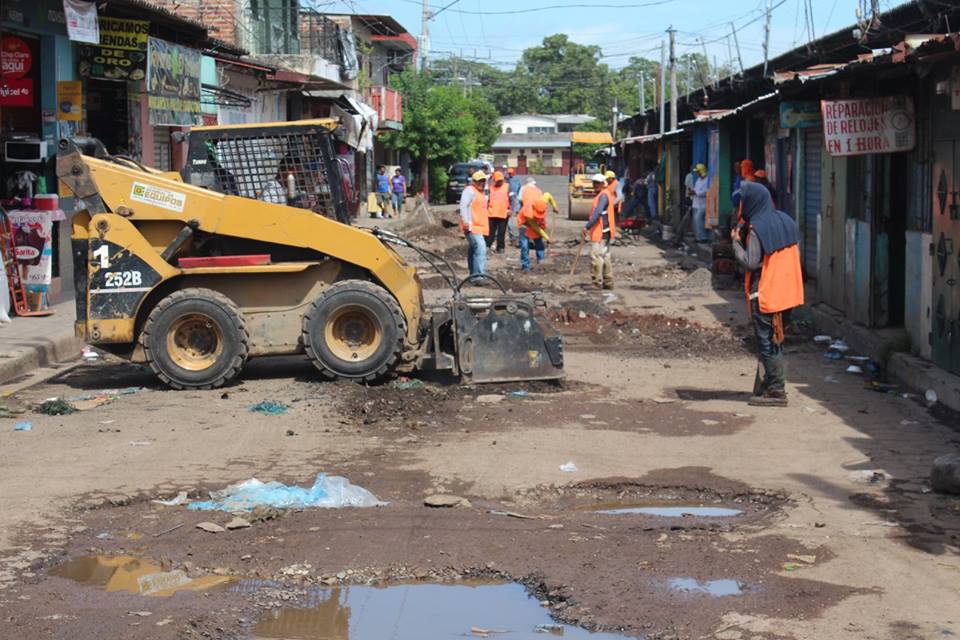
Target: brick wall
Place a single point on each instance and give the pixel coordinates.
(219, 16)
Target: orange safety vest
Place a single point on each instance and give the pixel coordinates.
(528, 213)
(500, 201)
(596, 233)
(781, 281)
(478, 214)
(530, 194)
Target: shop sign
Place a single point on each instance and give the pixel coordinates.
(70, 100)
(121, 54)
(16, 90)
(173, 84)
(81, 20)
(799, 115)
(868, 125)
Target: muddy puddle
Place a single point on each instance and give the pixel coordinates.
(714, 588)
(132, 575)
(615, 509)
(415, 612)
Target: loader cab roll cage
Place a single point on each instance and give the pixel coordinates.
(290, 163)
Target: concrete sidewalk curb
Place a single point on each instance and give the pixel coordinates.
(29, 355)
(890, 347)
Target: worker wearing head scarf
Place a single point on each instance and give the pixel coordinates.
(766, 245)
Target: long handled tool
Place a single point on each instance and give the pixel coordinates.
(576, 260)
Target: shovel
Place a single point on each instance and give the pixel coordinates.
(758, 381)
(573, 267)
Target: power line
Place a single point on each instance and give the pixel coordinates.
(551, 7)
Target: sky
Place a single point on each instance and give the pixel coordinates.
(622, 28)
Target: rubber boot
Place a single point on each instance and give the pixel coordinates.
(773, 392)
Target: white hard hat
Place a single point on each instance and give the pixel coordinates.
(598, 177)
(531, 181)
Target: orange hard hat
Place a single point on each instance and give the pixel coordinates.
(497, 176)
(511, 172)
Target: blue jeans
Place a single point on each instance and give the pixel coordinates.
(699, 218)
(771, 353)
(476, 253)
(397, 203)
(652, 203)
(525, 243)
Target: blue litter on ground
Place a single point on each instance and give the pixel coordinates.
(330, 492)
(23, 426)
(269, 408)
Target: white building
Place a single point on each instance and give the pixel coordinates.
(537, 123)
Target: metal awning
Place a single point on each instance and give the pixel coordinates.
(212, 95)
(653, 137)
(591, 137)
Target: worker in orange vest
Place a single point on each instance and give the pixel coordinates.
(474, 223)
(532, 221)
(766, 245)
(601, 229)
(613, 186)
(499, 204)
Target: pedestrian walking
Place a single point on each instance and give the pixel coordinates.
(766, 245)
(474, 224)
(383, 192)
(515, 183)
(601, 229)
(652, 208)
(700, 188)
(532, 221)
(398, 190)
(499, 210)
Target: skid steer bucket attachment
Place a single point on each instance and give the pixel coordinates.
(501, 340)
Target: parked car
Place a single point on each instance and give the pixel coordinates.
(458, 177)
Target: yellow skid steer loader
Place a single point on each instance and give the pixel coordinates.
(249, 253)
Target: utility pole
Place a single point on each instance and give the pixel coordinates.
(736, 41)
(643, 93)
(616, 113)
(673, 78)
(766, 40)
(716, 74)
(663, 84)
(706, 76)
(424, 35)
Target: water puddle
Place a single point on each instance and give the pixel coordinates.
(618, 509)
(715, 588)
(133, 575)
(415, 612)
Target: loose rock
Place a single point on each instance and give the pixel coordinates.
(945, 475)
(210, 527)
(238, 523)
(442, 501)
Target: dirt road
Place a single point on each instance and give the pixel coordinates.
(826, 527)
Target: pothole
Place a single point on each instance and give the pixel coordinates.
(715, 588)
(618, 509)
(132, 575)
(417, 611)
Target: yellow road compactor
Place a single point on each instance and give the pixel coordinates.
(249, 252)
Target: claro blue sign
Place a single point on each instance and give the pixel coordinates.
(800, 115)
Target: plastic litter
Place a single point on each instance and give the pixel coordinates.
(55, 407)
(833, 355)
(931, 396)
(822, 338)
(839, 345)
(554, 629)
(406, 385)
(90, 355)
(270, 408)
(329, 492)
(520, 394)
(23, 426)
(854, 369)
(105, 393)
(181, 498)
(568, 467)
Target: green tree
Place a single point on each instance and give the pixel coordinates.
(567, 77)
(441, 125)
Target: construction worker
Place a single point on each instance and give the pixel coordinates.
(601, 229)
(474, 223)
(766, 245)
(532, 221)
(499, 208)
(613, 186)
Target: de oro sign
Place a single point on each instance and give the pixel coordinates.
(868, 125)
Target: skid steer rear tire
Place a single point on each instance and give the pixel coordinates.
(195, 339)
(354, 330)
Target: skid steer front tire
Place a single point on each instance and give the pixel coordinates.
(354, 330)
(195, 339)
